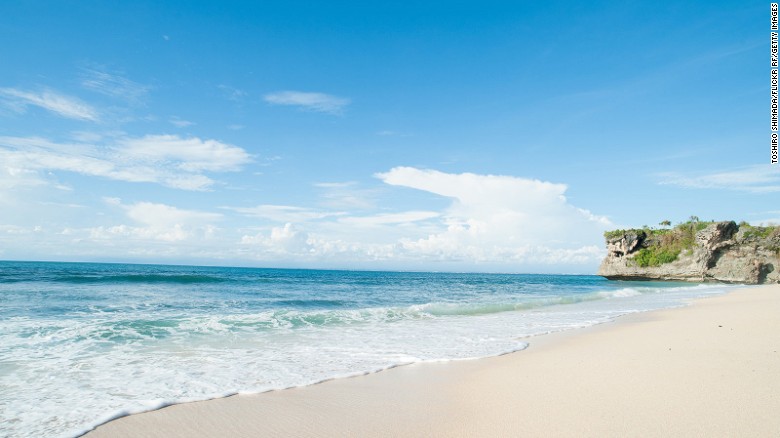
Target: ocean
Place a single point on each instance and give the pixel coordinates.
(82, 343)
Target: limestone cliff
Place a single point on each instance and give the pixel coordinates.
(695, 251)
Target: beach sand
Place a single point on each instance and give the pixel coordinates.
(709, 369)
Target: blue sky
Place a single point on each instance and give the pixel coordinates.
(478, 136)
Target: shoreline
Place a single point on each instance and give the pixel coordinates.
(535, 391)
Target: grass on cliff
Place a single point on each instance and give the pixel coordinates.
(750, 232)
(663, 245)
(768, 236)
(653, 256)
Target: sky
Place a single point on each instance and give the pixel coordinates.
(436, 136)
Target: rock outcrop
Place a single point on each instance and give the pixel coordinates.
(721, 252)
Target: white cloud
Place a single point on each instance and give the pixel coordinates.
(319, 102)
(283, 213)
(158, 222)
(405, 217)
(180, 123)
(493, 222)
(346, 195)
(86, 136)
(142, 231)
(334, 185)
(113, 85)
(164, 159)
(763, 178)
(13, 177)
(766, 218)
(501, 218)
(62, 105)
(161, 215)
(189, 154)
(286, 240)
(293, 244)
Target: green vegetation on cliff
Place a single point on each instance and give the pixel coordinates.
(659, 246)
(662, 245)
(654, 256)
(695, 250)
(749, 232)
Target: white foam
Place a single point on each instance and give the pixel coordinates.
(621, 293)
(61, 377)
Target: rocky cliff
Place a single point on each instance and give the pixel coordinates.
(695, 251)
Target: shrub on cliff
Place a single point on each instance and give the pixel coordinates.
(660, 246)
(750, 232)
(655, 256)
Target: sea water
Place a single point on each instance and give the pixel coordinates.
(83, 343)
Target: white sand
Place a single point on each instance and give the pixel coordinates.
(710, 369)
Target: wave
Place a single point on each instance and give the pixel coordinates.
(473, 309)
(293, 318)
(119, 278)
(68, 349)
(135, 326)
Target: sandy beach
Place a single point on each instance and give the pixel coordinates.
(709, 369)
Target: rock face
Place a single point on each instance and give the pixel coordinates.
(721, 252)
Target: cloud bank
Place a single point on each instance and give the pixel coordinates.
(494, 218)
(501, 222)
(486, 222)
(158, 222)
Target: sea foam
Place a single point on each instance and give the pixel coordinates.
(81, 344)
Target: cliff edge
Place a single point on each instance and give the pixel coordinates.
(695, 251)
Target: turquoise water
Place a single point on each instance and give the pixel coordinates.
(83, 343)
